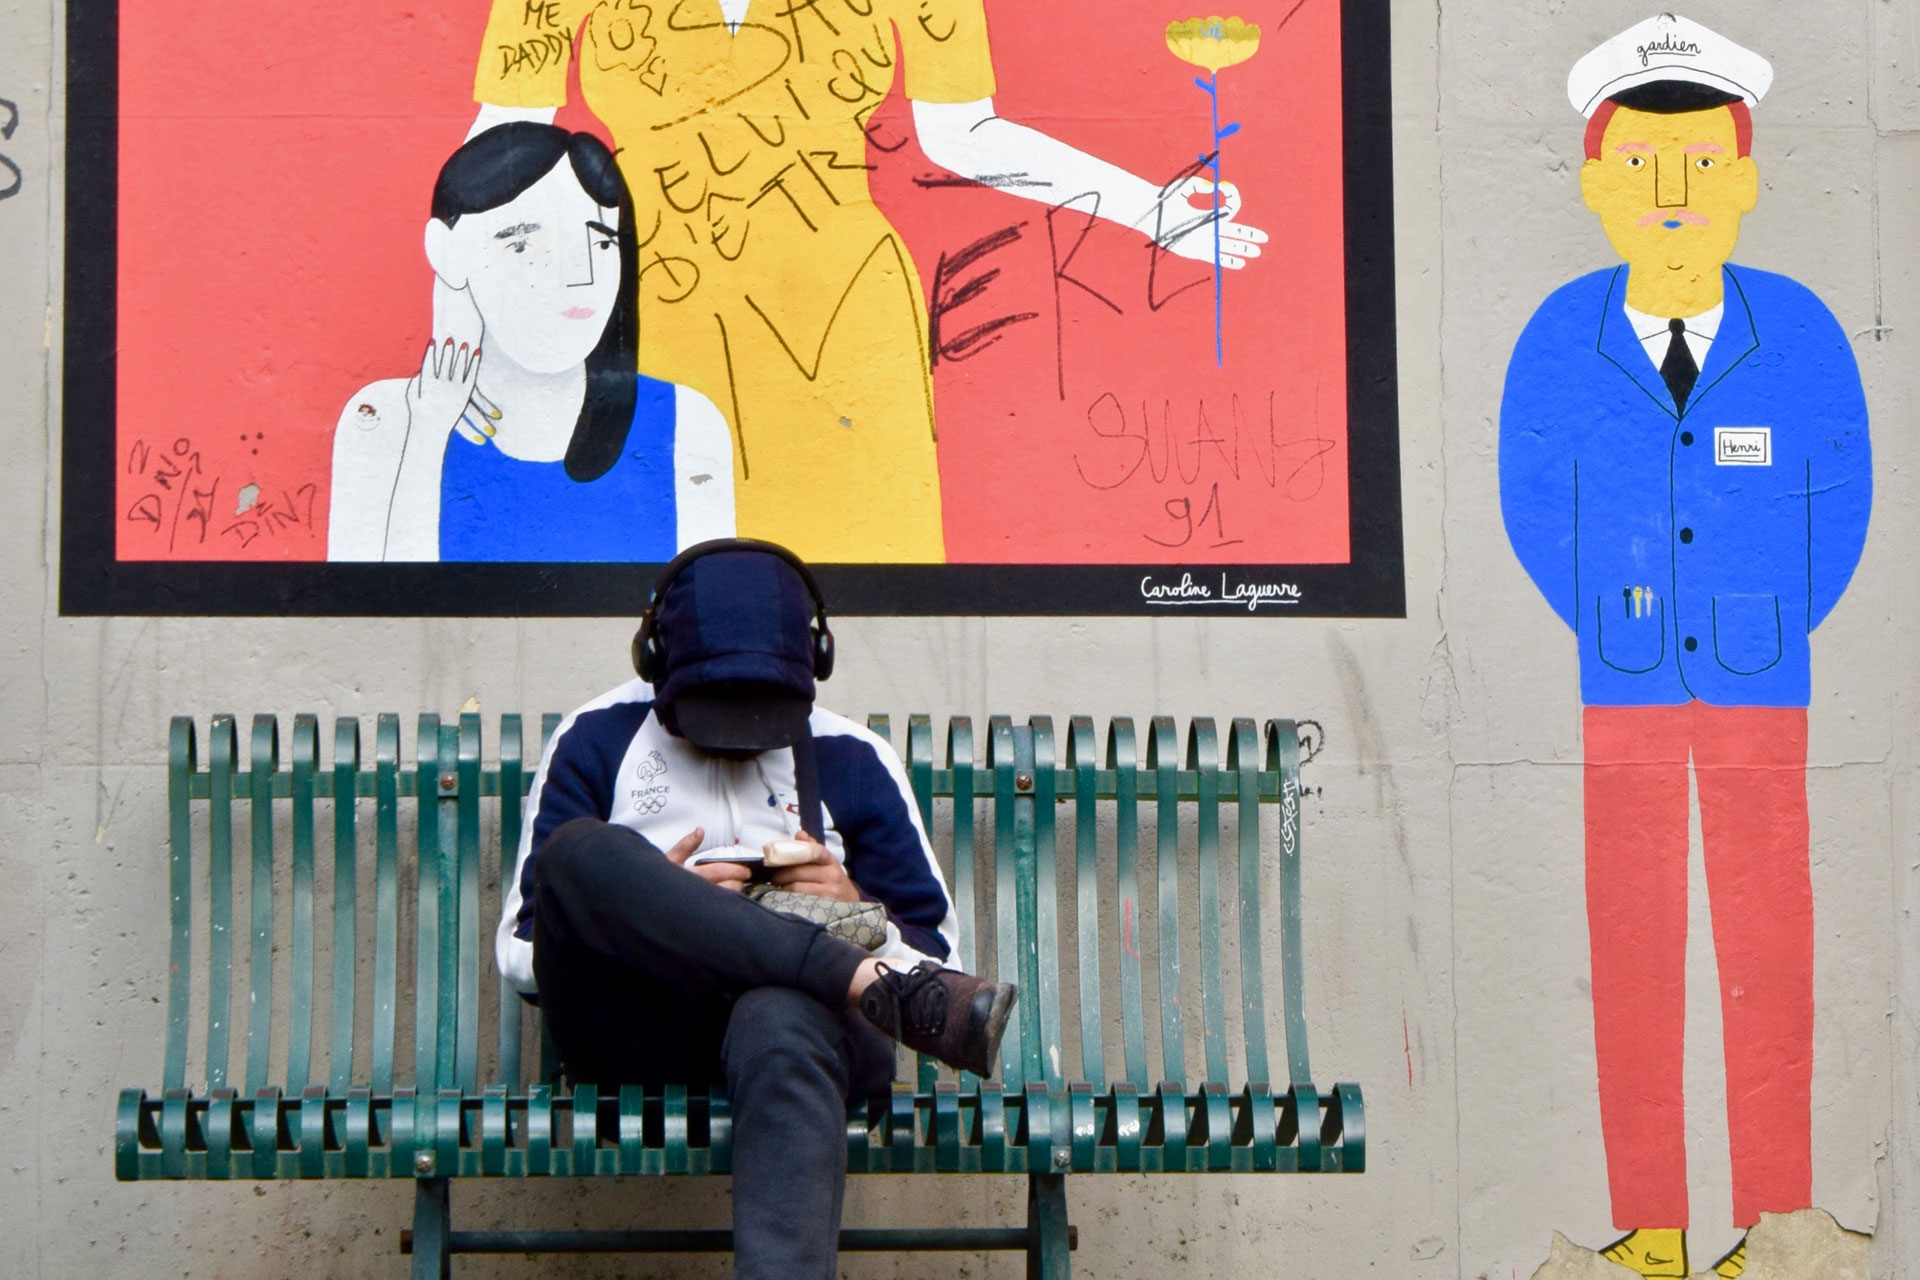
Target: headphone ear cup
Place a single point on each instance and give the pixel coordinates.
(646, 658)
(822, 654)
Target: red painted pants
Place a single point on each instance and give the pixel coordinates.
(1750, 766)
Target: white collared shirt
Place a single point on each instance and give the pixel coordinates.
(1655, 337)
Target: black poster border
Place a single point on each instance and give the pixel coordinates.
(93, 582)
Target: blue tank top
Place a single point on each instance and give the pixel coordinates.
(493, 507)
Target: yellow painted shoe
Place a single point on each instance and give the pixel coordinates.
(1654, 1252)
(1734, 1264)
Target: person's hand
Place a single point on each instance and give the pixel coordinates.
(824, 877)
(1187, 224)
(728, 875)
(447, 391)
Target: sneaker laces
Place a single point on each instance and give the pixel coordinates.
(919, 999)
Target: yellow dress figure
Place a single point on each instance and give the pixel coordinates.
(768, 279)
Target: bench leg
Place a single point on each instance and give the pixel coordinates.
(1047, 1240)
(432, 1224)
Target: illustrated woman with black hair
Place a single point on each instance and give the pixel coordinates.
(539, 443)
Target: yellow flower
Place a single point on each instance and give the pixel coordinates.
(1214, 42)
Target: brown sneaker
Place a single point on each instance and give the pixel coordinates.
(954, 1016)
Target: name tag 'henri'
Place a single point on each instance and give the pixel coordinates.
(1743, 446)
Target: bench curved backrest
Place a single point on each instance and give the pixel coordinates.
(1055, 884)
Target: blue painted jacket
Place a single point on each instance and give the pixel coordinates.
(1692, 554)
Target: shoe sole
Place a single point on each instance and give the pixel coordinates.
(997, 1014)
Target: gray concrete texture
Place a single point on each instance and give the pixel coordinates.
(1446, 927)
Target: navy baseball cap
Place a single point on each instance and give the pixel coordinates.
(736, 629)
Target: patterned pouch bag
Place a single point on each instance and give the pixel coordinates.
(864, 924)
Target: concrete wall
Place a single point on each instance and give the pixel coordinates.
(1445, 914)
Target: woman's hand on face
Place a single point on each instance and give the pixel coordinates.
(728, 875)
(447, 391)
(823, 877)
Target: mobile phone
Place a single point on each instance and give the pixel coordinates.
(776, 853)
(728, 853)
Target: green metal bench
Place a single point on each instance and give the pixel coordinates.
(348, 1107)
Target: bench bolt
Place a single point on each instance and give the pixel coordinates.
(449, 783)
(1023, 782)
(423, 1163)
(1060, 1160)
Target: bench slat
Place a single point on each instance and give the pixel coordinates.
(1283, 757)
(1243, 762)
(1083, 762)
(182, 762)
(426, 909)
(306, 763)
(549, 1053)
(965, 864)
(1045, 931)
(223, 747)
(468, 939)
(1163, 761)
(511, 796)
(1008, 907)
(266, 762)
(447, 932)
(386, 897)
(1123, 758)
(1203, 758)
(346, 899)
(1039, 1117)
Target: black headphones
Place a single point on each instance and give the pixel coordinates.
(650, 651)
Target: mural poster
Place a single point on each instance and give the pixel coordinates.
(493, 306)
(1685, 473)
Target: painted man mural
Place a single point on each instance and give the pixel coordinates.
(1685, 474)
(769, 281)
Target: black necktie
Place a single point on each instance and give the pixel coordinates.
(1678, 368)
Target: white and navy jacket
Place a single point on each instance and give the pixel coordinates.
(613, 760)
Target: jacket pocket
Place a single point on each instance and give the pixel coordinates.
(1746, 632)
(1629, 644)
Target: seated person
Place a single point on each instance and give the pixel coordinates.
(653, 968)
(539, 443)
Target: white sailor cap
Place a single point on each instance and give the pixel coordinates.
(1667, 47)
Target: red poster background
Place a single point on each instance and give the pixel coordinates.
(273, 186)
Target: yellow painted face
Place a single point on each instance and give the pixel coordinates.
(1670, 190)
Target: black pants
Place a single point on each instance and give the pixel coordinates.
(650, 975)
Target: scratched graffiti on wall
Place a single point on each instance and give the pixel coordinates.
(935, 283)
(11, 179)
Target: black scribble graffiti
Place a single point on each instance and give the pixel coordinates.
(9, 187)
(268, 515)
(182, 494)
(1286, 456)
(997, 181)
(954, 288)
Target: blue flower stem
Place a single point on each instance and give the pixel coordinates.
(1219, 339)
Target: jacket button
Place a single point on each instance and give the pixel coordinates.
(1686, 535)
(1692, 644)
(1686, 437)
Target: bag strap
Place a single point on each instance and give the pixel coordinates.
(806, 777)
